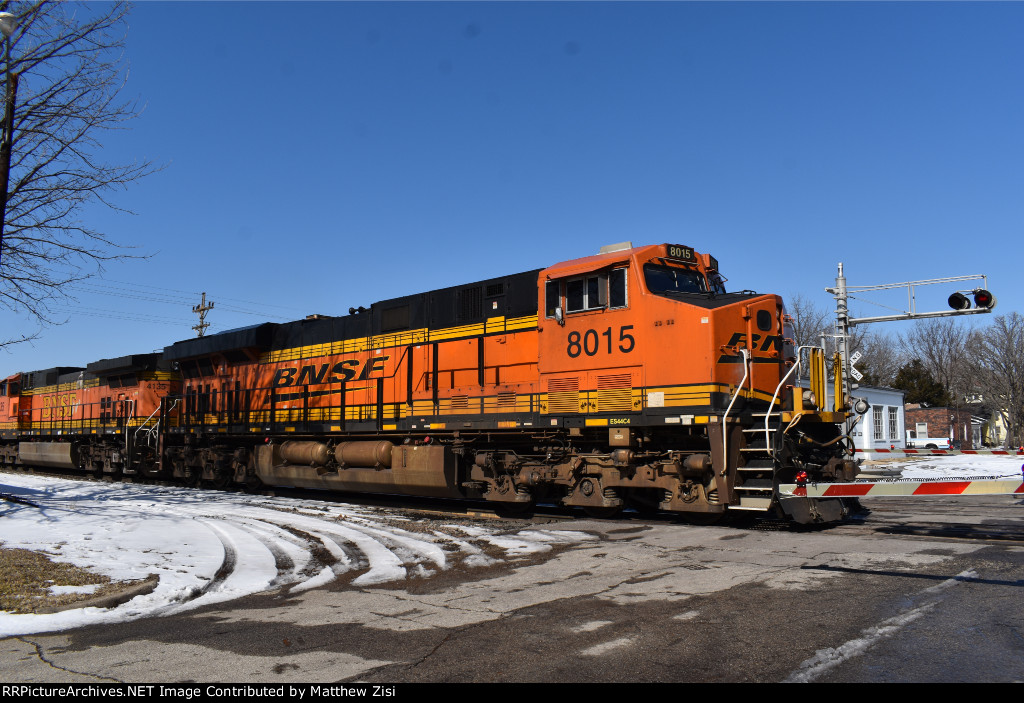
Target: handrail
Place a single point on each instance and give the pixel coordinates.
(799, 350)
(725, 429)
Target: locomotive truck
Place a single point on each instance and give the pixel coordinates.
(631, 378)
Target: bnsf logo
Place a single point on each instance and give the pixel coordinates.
(312, 375)
(770, 341)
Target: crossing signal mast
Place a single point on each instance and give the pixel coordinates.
(959, 303)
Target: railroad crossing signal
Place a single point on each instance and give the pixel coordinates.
(854, 358)
(983, 300)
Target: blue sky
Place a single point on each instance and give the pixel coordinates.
(326, 155)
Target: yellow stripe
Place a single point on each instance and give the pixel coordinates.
(399, 339)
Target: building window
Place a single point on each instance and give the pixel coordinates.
(876, 415)
(894, 429)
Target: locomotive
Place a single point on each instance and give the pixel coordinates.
(631, 378)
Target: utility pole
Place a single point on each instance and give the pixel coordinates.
(201, 310)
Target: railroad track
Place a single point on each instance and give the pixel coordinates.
(992, 519)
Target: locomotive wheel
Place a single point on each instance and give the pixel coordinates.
(644, 502)
(222, 479)
(192, 478)
(253, 484)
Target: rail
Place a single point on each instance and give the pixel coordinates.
(725, 427)
(778, 389)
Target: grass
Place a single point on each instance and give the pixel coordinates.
(26, 577)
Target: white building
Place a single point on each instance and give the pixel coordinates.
(884, 424)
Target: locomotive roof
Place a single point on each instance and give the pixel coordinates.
(253, 336)
(132, 362)
(587, 264)
(46, 377)
(509, 296)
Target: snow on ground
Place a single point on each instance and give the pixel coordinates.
(208, 546)
(957, 466)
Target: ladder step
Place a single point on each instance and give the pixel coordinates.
(754, 503)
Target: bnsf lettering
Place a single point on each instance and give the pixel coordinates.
(52, 401)
(313, 374)
(739, 339)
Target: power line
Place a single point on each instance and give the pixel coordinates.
(192, 294)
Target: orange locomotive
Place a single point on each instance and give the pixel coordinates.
(630, 378)
(627, 378)
(102, 418)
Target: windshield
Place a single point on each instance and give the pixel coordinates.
(666, 280)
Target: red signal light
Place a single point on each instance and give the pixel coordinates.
(984, 299)
(801, 478)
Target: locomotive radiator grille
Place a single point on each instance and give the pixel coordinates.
(614, 393)
(564, 395)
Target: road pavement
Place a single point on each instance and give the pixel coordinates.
(916, 590)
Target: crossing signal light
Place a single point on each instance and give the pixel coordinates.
(959, 301)
(984, 299)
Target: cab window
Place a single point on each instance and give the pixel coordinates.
(595, 292)
(584, 294)
(668, 280)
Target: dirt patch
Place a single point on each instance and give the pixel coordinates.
(31, 582)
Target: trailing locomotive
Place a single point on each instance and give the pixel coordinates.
(629, 378)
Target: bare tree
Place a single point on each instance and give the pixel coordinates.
(64, 72)
(942, 346)
(880, 355)
(810, 320)
(1000, 357)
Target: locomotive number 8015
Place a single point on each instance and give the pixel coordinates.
(631, 378)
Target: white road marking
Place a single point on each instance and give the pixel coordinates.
(831, 657)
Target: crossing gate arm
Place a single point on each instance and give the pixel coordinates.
(871, 489)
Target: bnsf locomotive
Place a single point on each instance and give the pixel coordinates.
(630, 378)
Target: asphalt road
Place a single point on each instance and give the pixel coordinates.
(918, 590)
